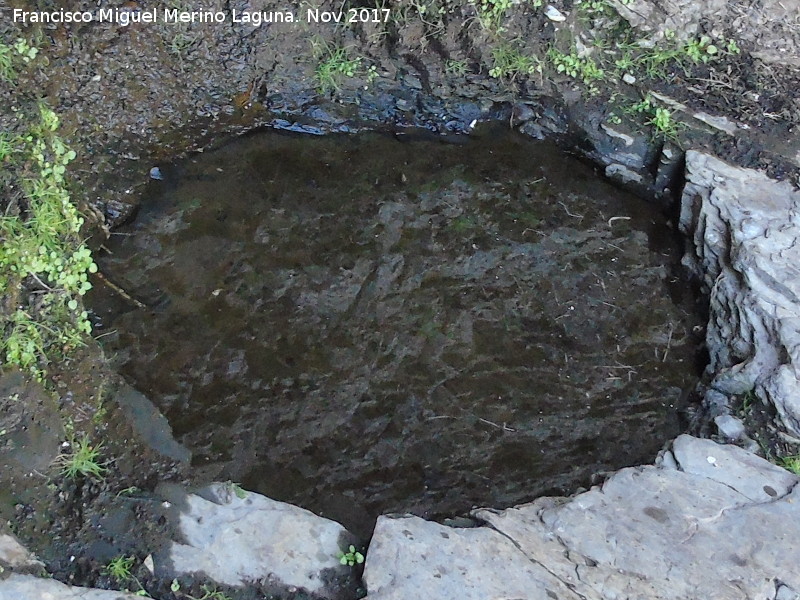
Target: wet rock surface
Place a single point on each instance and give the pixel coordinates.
(360, 325)
(241, 539)
(150, 424)
(706, 521)
(743, 229)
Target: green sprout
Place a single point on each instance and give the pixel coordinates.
(120, 568)
(701, 50)
(351, 558)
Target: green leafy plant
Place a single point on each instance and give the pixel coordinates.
(83, 460)
(351, 558)
(26, 51)
(181, 42)
(492, 12)
(231, 487)
(664, 123)
(701, 49)
(748, 400)
(335, 63)
(41, 247)
(732, 47)
(595, 7)
(661, 119)
(431, 14)
(128, 491)
(456, 68)
(6, 144)
(463, 224)
(585, 69)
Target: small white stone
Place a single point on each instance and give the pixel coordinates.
(712, 461)
(552, 13)
(629, 79)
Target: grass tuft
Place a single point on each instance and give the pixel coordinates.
(510, 63)
(83, 460)
(120, 568)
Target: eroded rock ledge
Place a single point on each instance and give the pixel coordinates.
(742, 229)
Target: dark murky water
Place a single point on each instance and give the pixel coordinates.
(364, 325)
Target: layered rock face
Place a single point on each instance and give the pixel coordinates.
(742, 230)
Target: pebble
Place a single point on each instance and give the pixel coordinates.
(552, 13)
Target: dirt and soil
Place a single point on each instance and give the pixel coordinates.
(133, 97)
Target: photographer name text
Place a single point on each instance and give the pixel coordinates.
(125, 17)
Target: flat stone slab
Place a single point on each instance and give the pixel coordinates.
(708, 521)
(410, 557)
(28, 587)
(239, 538)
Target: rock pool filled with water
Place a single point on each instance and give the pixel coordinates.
(369, 324)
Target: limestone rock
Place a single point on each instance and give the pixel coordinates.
(688, 528)
(768, 29)
(238, 538)
(15, 555)
(748, 474)
(28, 587)
(680, 16)
(413, 558)
(743, 231)
(730, 427)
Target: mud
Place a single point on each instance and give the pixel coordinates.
(365, 324)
